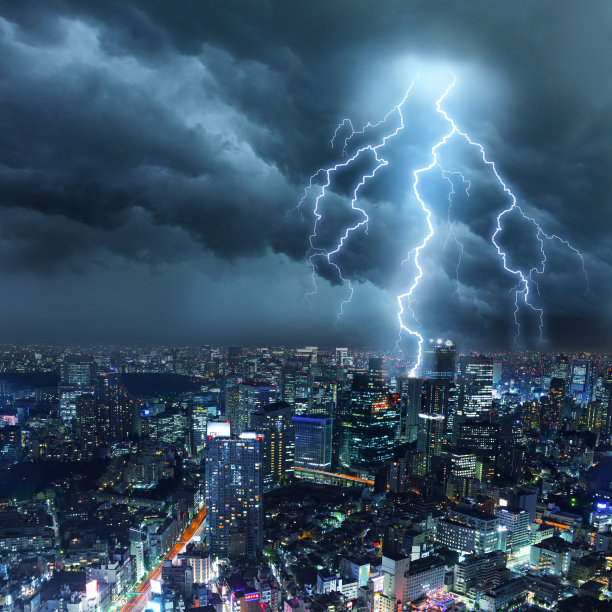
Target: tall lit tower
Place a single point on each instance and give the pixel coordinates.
(439, 360)
(475, 386)
(234, 488)
(369, 433)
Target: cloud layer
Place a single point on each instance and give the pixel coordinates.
(151, 157)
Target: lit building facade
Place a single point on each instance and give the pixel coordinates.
(234, 487)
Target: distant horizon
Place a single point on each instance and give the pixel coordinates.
(252, 347)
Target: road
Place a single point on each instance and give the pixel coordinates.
(139, 603)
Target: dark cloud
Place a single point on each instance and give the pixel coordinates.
(146, 142)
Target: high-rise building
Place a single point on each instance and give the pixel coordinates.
(342, 357)
(85, 424)
(551, 411)
(124, 416)
(480, 438)
(439, 360)
(77, 370)
(516, 522)
(462, 464)
(606, 400)
(274, 423)
(234, 488)
(68, 395)
(232, 404)
(289, 376)
(530, 415)
(560, 368)
(431, 427)
(582, 381)
(199, 417)
(10, 444)
(369, 433)
(106, 392)
(475, 386)
(313, 443)
(409, 390)
(468, 530)
(251, 397)
(595, 416)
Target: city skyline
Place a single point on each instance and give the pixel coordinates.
(152, 163)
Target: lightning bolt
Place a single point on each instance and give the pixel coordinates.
(447, 175)
(328, 174)
(524, 278)
(415, 253)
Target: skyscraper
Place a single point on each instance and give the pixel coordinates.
(551, 413)
(439, 360)
(409, 389)
(431, 427)
(582, 381)
(475, 386)
(234, 487)
(77, 370)
(370, 430)
(274, 423)
(313, 442)
(251, 397)
(560, 368)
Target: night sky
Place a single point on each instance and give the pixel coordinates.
(152, 154)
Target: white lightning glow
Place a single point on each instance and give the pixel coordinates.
(407, 296)
(525, 278)
(448, 176)
(328, 174)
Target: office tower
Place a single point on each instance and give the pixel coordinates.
(468, 530)
(274, 423)
(530, 415)
(606, 400)
(251, 397)
(431, 427)
(342, 357)
(517, 524)
(77, 371)
(481, 439)
(10, 444)
(124, 416)
(439, 360)
(462, 464)
(234, 488)
(85, 424)
(232, 404)
(560, 368)
(582, 381)
(313, 443)
(376, 370)
(106, 394)
(429, 440)
(289, 375)
(199, 417)
(551, 411)
(490, 569)
(475, 386)
(595, 416)
(370, 431)
(68, 395)
(235, 358)
(409, 390)
(137, 551)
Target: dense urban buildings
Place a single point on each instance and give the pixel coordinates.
(302, 478)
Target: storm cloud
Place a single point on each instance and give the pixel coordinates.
(152, 156)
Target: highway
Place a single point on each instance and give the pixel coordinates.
(139, 603)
